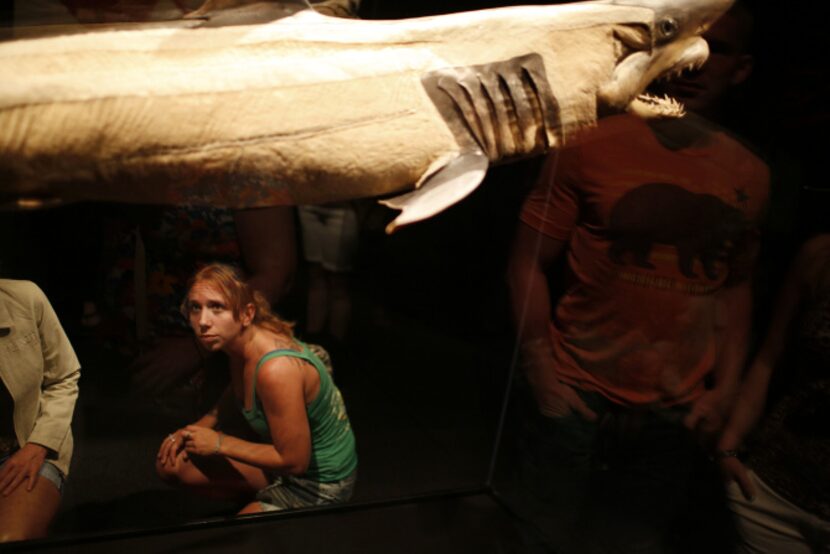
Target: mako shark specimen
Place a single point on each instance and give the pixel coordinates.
(313, 109)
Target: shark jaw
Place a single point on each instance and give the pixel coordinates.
(662, 50)
(638, 69)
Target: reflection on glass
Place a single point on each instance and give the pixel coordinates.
(779, 490)
(631, 355)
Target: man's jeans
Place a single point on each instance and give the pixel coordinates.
(634, 480)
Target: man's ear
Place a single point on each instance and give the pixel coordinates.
(247, 314)
(743, 69)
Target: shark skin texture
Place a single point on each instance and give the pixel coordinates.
(312, 109)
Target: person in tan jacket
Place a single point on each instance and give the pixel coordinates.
(39, 372)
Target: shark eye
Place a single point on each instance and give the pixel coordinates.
(667, 28)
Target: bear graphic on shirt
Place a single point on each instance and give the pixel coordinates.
(699, 226)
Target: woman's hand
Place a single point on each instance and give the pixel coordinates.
(201, 441)
(22, 465)
(708, 415)
(170, 447)
(733, 469)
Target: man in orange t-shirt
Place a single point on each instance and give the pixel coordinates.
(658, 241)
(658, 222)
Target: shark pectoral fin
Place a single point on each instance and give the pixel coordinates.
(440, 189)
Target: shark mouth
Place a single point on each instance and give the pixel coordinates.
(691, 58)
(640, 64)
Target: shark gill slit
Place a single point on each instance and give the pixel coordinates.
(505, 109)
(515, 115)
(496, 106)
(481, 112)
(539, 136)
(494, 117)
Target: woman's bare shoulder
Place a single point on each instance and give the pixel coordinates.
(277, 369)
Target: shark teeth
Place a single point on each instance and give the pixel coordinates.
(676, 72)
(650, 106)
(679, 70)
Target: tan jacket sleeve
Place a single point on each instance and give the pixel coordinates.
(61, 371)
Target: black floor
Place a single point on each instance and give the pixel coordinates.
(451, 524)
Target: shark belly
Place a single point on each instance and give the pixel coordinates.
(305, 110)
(245, 146)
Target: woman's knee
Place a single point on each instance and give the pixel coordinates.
(169, 472)
(182, 471)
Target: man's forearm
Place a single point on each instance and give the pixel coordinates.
(530, 302)
(531, 307)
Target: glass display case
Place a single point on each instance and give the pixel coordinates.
(432, 331)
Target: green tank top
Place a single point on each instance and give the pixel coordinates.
(333, 454)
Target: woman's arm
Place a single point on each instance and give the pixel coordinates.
(280, 390)
(753, 391)
(175, 441)
(752, 394)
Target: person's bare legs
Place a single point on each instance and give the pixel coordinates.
(317, 301)
(26, 514)
(215, 477)
(340, 305)
(252, 508)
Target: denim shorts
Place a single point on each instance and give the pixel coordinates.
(48, 470)
(288, 492)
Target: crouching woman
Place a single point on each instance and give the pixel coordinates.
(306, 456)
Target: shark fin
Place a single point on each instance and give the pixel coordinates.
(221, 13)
(446, 182)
